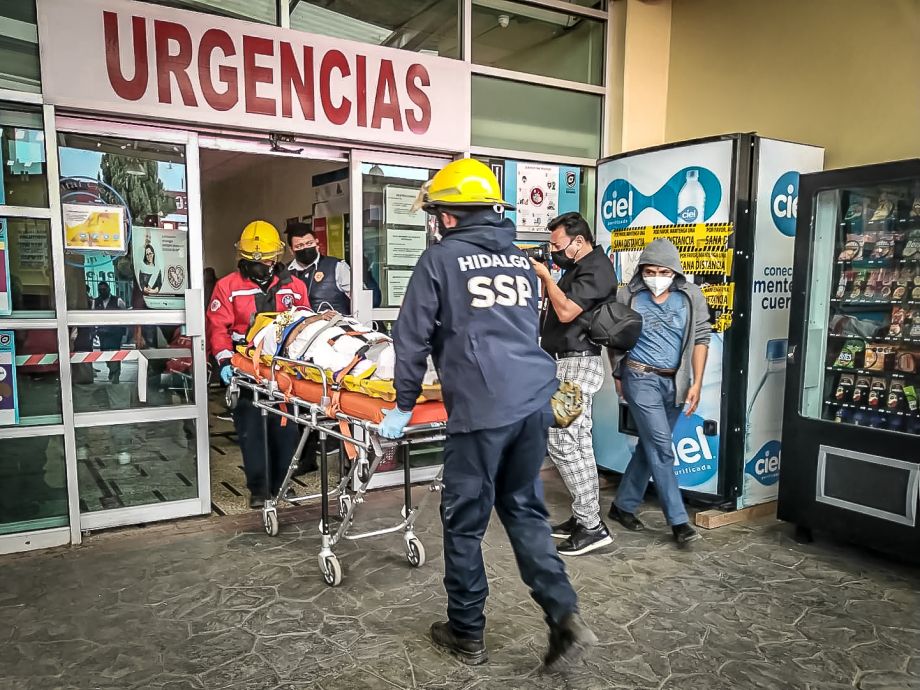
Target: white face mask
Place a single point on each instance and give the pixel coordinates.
(658, 284)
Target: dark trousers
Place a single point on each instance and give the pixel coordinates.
(282, 443)
(500, 468)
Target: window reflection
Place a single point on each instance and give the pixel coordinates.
(125, 209)
(33, 484)
(117, 367)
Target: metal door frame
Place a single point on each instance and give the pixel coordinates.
(192, 317)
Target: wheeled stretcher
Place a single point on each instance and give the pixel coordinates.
(304, 394)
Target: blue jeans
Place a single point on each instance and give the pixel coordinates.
(500, 468)
(651, 404)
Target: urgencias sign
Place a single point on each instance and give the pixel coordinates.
(139, 59)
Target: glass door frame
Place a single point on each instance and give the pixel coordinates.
(362, 300)
(192, 317)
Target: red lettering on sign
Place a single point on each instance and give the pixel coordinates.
(253, 74)
(300, 81)
(361, 79)
(334, 59)
(386, 101)
(418, 124)
(227, 75)
(176, 65)
(129, 89)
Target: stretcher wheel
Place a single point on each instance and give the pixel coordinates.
(270, 520)
(415, 552)
(364, 472)
(344, 505)
(331, 569)
(233, 399)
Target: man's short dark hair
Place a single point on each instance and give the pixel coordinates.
(298, 230)
(574, 224)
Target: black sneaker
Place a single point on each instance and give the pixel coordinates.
(564, 529)
(470, 652)
(684, 534)
(628, 520)
(584, 540)
(568, 642)
(256, 502)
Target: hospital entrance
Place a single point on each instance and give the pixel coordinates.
(243, 182)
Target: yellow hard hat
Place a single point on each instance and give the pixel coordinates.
(464, 182)
(260, 240)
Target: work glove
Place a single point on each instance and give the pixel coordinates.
(226, 372)
(394, 423)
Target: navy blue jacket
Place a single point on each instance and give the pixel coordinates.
(472, 303)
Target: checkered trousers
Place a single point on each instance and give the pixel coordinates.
(572, 449)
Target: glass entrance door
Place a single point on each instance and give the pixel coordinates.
(387, 239)
(133, 272)
(387, 236)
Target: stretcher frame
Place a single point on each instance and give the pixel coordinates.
(354, 482)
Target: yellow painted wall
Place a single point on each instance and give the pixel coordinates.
(838, 73)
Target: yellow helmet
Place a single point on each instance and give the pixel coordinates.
(463, 182)
(260, 240)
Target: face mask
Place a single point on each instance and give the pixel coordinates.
(104, 294)
(658, 284)
(306, 257)
(562, 260)
(256, 271)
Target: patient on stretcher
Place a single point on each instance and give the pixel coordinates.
(329, 340)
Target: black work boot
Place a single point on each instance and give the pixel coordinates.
(469, 651)
(256, 501)
(568, 642)
(564, 529)
(684, 534)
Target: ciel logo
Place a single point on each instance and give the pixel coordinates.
(764, 466)
(617, 205)
(696, 456)
(784, 202)
(5, 339)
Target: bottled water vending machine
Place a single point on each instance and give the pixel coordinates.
(729, 204)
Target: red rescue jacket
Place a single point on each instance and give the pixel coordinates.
(235, 302)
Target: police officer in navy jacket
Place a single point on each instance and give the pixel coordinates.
(328, 279)
(472, 304)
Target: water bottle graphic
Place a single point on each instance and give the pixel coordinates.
(691, 199)
(763, 428)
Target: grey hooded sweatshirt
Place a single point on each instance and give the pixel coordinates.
(662, 252)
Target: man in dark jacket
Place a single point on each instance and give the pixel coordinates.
(472, 304)
(662, 373)
(327, 278)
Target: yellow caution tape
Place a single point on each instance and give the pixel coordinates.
(713, 236)
(711, 262)
(720, 296)
(723, 322)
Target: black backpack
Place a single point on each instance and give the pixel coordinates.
(612, 325)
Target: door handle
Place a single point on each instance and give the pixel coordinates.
(790, 355)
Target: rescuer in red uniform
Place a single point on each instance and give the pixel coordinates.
(261, 284)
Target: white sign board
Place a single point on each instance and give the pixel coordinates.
(398, 207)
(537, 196)
(139, 59)
(404, 247)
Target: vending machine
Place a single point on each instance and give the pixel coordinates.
(852, 412)
(729, 204)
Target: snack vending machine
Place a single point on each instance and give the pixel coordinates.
(852, 415)
(729, 205)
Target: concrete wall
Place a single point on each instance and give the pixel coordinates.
(271, 188)
(837, 73)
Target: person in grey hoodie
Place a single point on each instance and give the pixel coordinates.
(660, 375)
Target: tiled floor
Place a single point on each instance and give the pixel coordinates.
(217, 603)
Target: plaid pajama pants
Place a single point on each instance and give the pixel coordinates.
(572, 449)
